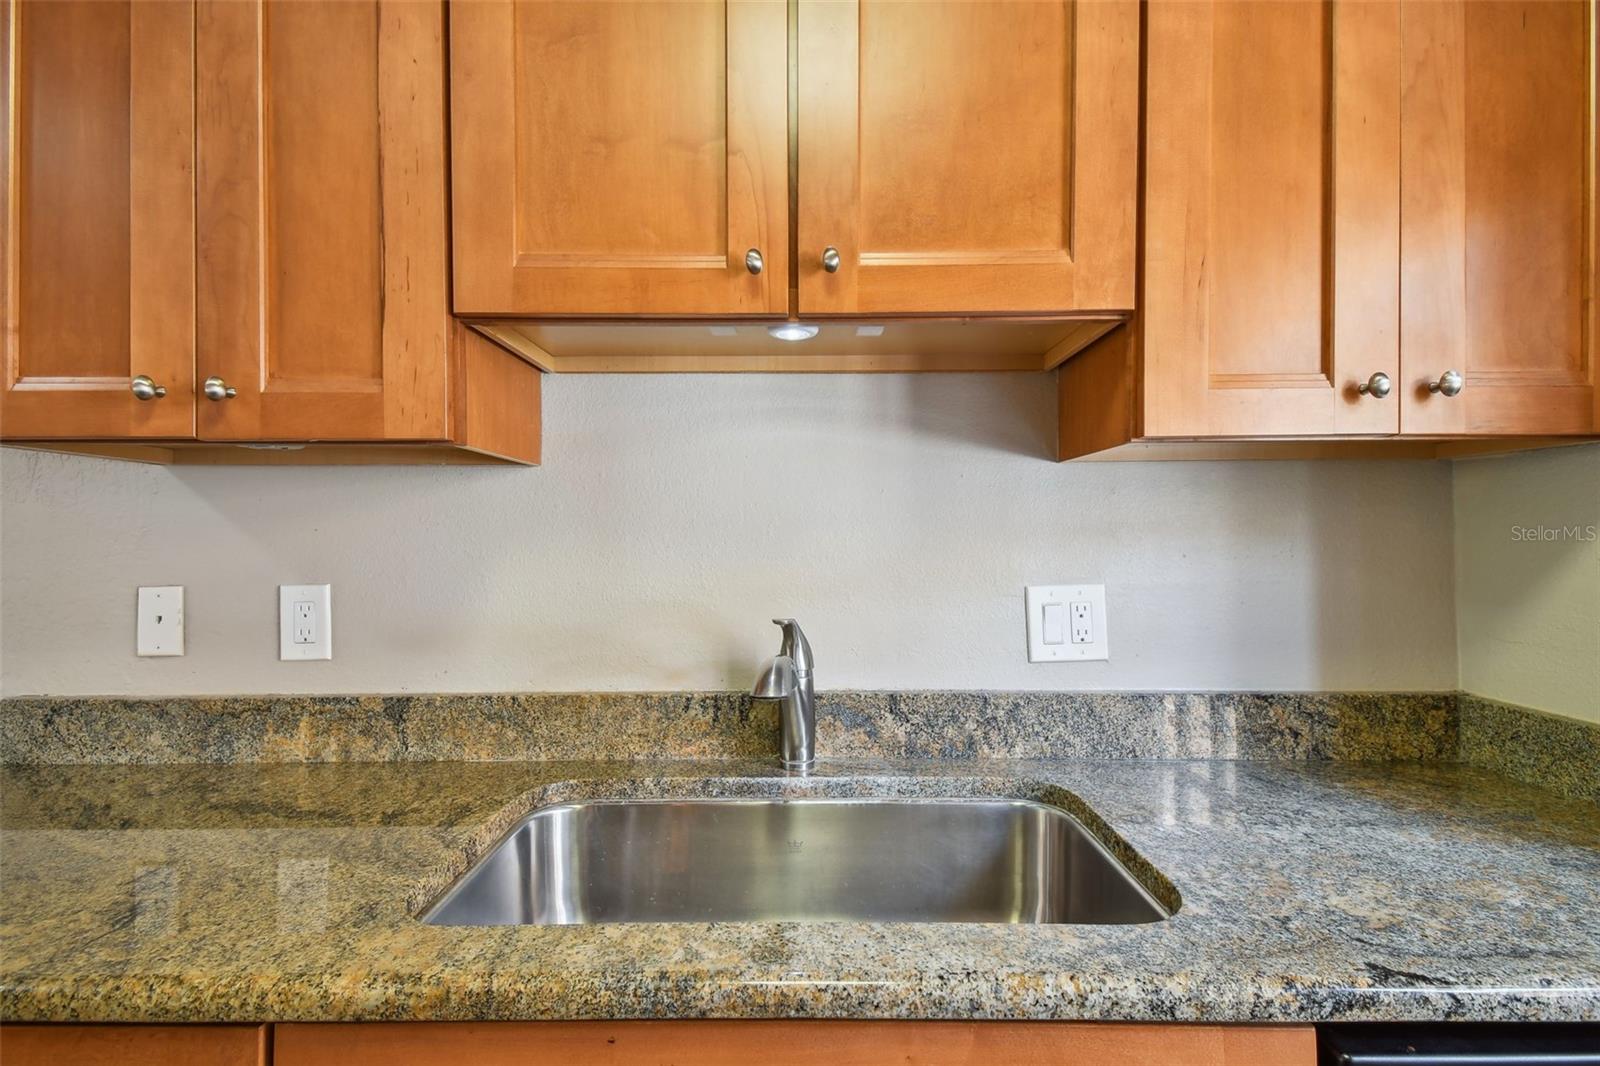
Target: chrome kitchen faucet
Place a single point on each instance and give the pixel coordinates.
(786, 677)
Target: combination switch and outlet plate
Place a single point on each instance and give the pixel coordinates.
(1067, 623)
(305, 622)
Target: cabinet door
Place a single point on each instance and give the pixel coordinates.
(620, 158)
(323, 285)
(134, 1045)
(1497, 175)
(98, 237)
(789, 1043)
(1271, 284)
(966, 156)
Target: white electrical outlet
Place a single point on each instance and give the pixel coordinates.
(1067, 623)
(1082, 622)
(159, 630)
(305, 622)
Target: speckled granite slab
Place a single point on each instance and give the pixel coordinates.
(1561, 754)
(1309, 890)
(882, 725)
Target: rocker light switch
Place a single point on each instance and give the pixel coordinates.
(1054, 623)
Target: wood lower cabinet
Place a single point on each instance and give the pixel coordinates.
(97, 246)
(786, 1043)
(705, 1043)
(134, 1045)
(1364, 191)
(244, 201)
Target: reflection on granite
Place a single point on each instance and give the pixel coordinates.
(1560, 754)
(1309, 890)
(1136, 725)
(723, 725)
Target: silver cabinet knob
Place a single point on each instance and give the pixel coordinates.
(753, 261)
(146, 389)
(217, 389)
(830, 259)
(1377, 386)
(1449, 383)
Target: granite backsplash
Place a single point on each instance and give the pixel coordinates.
(709, 725)
(1557, 753)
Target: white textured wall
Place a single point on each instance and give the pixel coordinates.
(1527, 531)
(898, 517)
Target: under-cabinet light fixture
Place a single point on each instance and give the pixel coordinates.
(793, 331)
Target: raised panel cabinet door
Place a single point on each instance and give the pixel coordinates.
(97, 243)
(1498, 243)
(625, 159)
(1272, 222)
(323, 264)
(967, 155)
(133, 1045)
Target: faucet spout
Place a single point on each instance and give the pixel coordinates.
(778, 679)
(786, 678)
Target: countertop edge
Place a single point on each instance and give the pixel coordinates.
(368, 1000)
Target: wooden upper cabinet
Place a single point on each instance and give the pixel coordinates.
(1272, 221)
(323, 263)
(620, 158)
(1497, 173)
(242, 205)
(98, 238)
(967, 157)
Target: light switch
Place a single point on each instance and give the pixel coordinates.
(305, 622)
(1055, 624)
(159, 630)
(1067, 623)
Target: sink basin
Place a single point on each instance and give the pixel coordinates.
(797, 860)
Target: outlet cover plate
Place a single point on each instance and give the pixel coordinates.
(294, 646)
(1098, 647)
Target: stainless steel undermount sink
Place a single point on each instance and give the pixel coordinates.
(801, 860)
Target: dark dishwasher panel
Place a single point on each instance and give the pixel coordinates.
(1459, 1044)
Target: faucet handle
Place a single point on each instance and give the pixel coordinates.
(794, 645)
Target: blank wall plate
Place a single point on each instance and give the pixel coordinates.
(1067, 623)
(305, 622)
(159, 629)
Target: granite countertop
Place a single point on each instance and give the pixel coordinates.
(288, 892)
